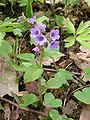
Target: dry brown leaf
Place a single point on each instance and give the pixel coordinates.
(32, 87)
(82, 60)
(11, 40)
(85, 114)
(7, 112)
(15, 115)
(9, 84)
(69, 108)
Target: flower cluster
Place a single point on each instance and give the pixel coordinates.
(38, 32)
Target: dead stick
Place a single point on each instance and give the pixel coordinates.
(23, 108)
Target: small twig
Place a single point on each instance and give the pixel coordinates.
(68, 65)
(76, 73)
(23, 108)
(50, 70)
(78, 89)
(80, 80)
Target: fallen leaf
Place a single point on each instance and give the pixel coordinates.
(82, 60)
(7, 112)
(85, 113)
(32, 87)
(69, 108)
(9, 84)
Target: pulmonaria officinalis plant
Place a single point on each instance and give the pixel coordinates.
(46, 47)
(35, 71)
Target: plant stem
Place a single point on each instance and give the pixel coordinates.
(39, 80)
(16, 48)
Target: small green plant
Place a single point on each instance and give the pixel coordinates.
(32, 66)
(80, 35)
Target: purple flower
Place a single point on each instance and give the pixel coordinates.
(54, 44)
(42, 27)
(41, 39)
(32, 20)
(54, 34)
(36, 49)
(35, 32)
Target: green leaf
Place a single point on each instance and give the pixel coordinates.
(70, 26)
(86, 31)
(16, 67)
(26, 57)
(88, 2)
(1, 107)
(55, 115)
(59, 20)
(42, 19)
(5, 49)
(74, 2)
(2, 78)
(12, 2)
(82, 27)
(55, 54)
(54, 83)
(32, 73)
(63, 74)
(29, 99)
(84, 40)
(8, 29)
(84, 95)
(59, 79)
(17, 98)
(17, 32)
(29, 11)
(41, 0)
(86, 72)
(43, 81)
(49, 100)
(64, 117)
(22, 2)
(86, 45)
(2, 4)
(2, 35)
(69, 41)
(32, 40)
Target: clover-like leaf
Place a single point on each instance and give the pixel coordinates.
(86, 72)
(50, 100)
(29, 99)
(84, 95)
(55, 115)
(59, 79)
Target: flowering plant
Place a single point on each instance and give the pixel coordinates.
(38, 32)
